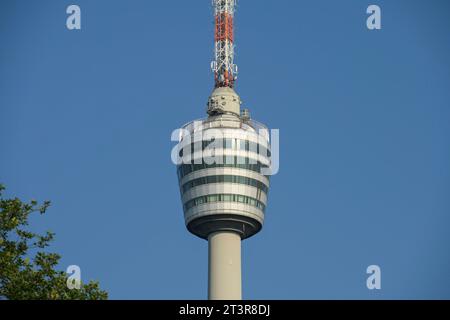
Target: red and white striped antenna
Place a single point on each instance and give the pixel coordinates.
(225, 71)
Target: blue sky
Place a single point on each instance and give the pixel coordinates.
(364, 118)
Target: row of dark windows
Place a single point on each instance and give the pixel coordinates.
(228, 143)
(237, 162)
(224, 198)
(224, 178)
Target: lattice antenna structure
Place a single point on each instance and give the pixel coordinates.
(225, 71)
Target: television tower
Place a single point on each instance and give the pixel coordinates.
(223, 169)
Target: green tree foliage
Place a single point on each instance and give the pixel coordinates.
(27, 271)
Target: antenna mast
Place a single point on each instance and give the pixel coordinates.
(225, 71)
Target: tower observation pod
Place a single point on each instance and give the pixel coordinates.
(223, 168)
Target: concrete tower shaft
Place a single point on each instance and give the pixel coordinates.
(224, 267)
